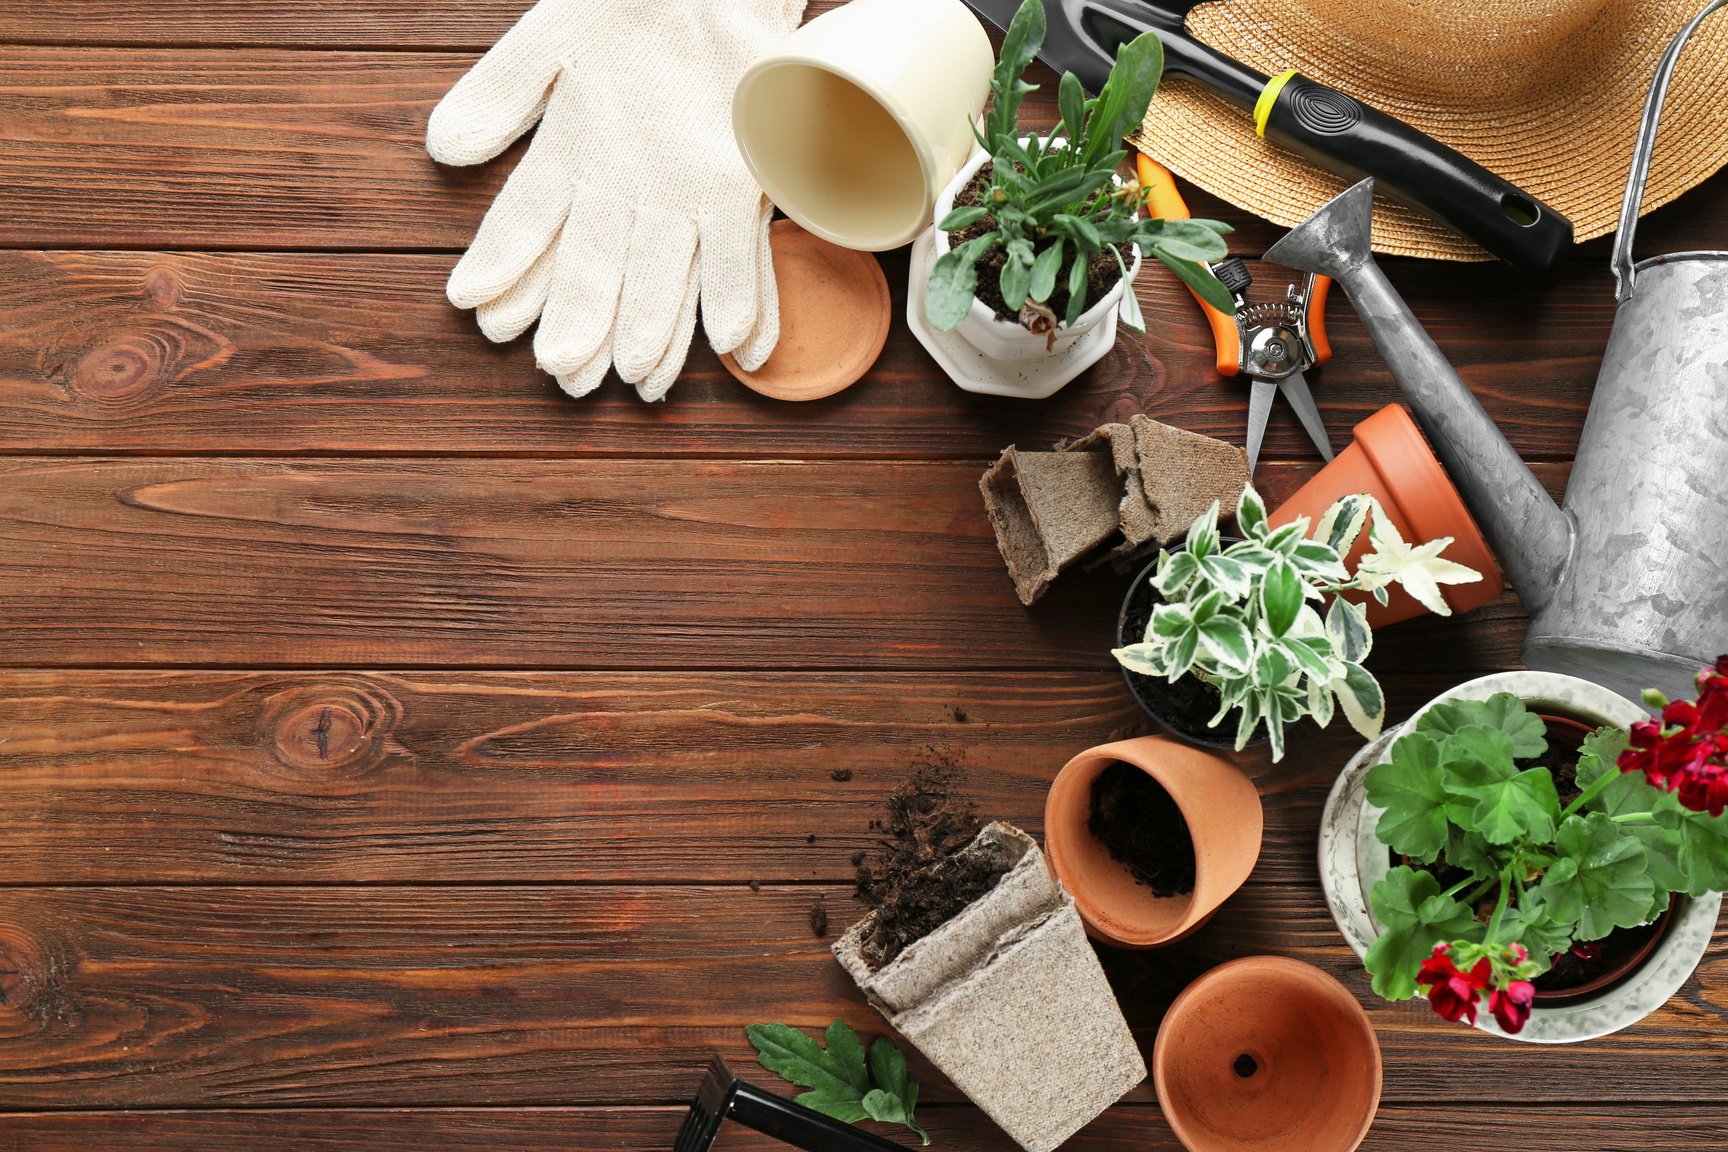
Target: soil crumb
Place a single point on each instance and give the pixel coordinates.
(819, 918)
(1140, 825)
(914, 881)
(840, 775)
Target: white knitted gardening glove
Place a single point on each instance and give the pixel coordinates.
(632, 201)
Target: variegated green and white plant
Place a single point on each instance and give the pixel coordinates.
(1246, 617)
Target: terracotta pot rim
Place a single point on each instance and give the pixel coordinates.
(1397, 449)
(1142, 579)
(1271, 970)
(1212, 881)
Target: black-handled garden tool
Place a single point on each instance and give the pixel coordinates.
(1308, 118)
(722, 1096)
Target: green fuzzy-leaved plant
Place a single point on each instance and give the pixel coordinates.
(1053, 203)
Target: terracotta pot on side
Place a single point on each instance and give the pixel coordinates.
(1391, 461)
(1221, 807)
(1267, 1054)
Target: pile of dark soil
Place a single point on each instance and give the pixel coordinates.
(915, 881)
(1137, 821)
(1185, 705)
(1101, 274)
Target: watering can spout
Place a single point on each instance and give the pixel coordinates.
(1529, 531)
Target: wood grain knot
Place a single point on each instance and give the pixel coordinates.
(132, 364)
(343, 727)
(22, 971)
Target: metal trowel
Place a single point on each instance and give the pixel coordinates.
(1320, 123)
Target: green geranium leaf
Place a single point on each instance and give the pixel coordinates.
(1528, 923)
(799, 1059)
(1703, 853)
(1503, 712)
(842, 1083)
(1416, 916)
(1526, 807)
(1601, 881)
(1473, 759)
(1410, 788)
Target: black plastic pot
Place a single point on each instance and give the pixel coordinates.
(1137, 608)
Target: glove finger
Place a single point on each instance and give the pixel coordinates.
(658, 382)
(661, 268)
(587, 377)
(519, 228)
(731, 237)
(583, 302)
(507, 316)
(754, 352)
(501, 96)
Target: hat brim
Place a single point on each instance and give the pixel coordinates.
(1557, 119)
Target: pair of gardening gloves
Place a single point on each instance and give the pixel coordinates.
(632, 204)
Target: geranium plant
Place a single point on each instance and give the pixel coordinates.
(1053, 205)
(1501, 878)
(1245, 617)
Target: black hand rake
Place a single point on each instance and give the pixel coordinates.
(723, 1096)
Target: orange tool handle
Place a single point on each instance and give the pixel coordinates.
(1317, 319)
(1165, 203)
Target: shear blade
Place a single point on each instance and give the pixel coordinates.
(1259, 412)
(1295, 389)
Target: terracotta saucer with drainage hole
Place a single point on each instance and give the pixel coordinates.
(1267, 1054)
(835, 311)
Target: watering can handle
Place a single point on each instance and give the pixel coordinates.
(1624, 271)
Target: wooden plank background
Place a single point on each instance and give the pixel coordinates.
(395, 753)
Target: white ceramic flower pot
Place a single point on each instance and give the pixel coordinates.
(1353, 860)
(1005, 339)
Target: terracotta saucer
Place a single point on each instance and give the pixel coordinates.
(834, 316)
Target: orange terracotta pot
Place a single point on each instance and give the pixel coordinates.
(1391, 461)
(1267, 1054)
(1221, 807)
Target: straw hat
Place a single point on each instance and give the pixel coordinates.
(1545, 93)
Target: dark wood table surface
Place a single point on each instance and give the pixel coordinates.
(396, 754)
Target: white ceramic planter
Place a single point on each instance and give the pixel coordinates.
(1352, 861)
(1004, 339)
(1000, 357)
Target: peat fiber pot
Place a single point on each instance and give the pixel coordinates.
(1392, 462)
(1353, 860)
(1267, 1054)
(1219, 804)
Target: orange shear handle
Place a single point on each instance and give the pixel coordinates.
(1317, 319)
(1165, 203)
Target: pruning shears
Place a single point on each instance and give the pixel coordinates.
(1274, 343)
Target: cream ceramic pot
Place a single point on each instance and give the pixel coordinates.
(858, 121)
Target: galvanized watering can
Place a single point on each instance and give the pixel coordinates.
(1627, 585)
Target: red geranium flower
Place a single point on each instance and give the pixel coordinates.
(1511, 1005)
(1452, 992)
(1686, 751)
